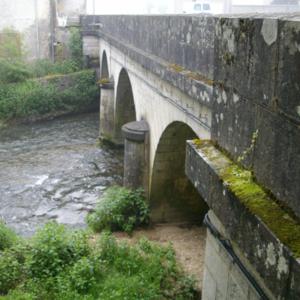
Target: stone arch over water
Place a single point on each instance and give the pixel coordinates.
(173, 198)
(125, 110)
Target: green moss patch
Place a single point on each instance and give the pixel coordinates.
(192, 75)
(258, 201)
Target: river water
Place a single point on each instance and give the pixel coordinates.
(54, 171)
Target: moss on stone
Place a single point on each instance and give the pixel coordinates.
(257, 200)
(200, 77)
(192, 75)
(104, 80)
(176, 67)
(199, 142)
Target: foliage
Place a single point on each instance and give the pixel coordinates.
(7, 237)
(34, 98)
(44, 67)
(14, 69)
(11, 271)
(10, 45)
(75, 46)
(12, 72)
(62, 264)
(120, 209)
(54, 248)
(12, 66)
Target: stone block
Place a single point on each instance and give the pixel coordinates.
(209, 286)
(277, 157)
(288, 89)
(234, 122)
(246, 48)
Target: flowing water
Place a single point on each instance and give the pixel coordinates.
(54, 171)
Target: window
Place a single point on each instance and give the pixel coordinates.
(197, 7)
(206, 6)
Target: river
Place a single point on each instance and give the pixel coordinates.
(54, 170)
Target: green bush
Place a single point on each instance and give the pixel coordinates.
(84, 274)
(35, 98)
(53, 248)
(44, 67)
(7, 237)
(11, 271)
(75, 46)
(11, 44)
(120, 209)
(60, 264)
(13, 72)
(143, 271)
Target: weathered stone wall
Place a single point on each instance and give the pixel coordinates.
(175, 39)
(223, 279)
(257, 70)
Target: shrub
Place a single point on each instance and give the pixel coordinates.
(11, 271)
(84, 274)
(53, 248)
(120, 209)
(11, 44)
(59, 264)
(143, 271)
(13, 72)
(44, 67)
(35, 98)
(7, 236)
(75, 46)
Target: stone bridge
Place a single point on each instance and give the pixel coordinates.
(230, 86)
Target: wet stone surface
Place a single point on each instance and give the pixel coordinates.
(54, 171)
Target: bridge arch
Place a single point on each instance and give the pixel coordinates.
(104, 73)
(125, 110)
(173, 198)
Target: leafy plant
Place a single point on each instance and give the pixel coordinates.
(53, 248)
(44, 67)
(75, 46)
(11, 44)
(12, 72)
(7, 237)
(61, 264)
(10, 271)
(34, 98)
(120, 209)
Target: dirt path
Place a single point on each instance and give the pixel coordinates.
(188, 242)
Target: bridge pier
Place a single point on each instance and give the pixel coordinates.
(107, 122)
(136, 155)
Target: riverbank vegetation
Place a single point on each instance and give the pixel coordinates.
(43, 89)
(58, 263)
(120, 209)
